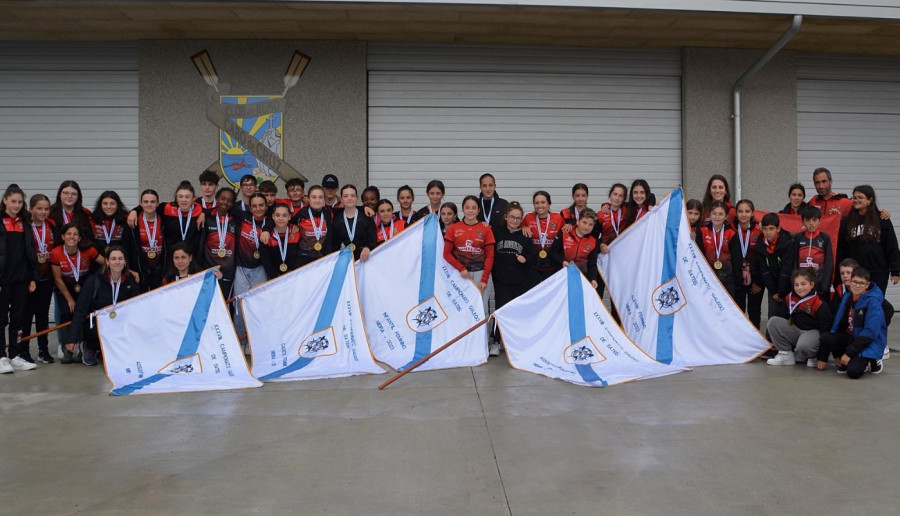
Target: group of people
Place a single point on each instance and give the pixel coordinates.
(88, 259)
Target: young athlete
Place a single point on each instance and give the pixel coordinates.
(614, 219)
(579, 202)
(352, 228)
(542, 226)
(640, 202)
(110, 227)
(219, 240)
(248, 186)
(720, 246)
(858, 334)
(270, 192)
(717, 191)
(330, 186)
(514, 259)
(69, 207)
(209, 182)
(775, 261)
(314, 224)
(295, 192)
(405, 198)
(579, 246)
(387, 226)
(370, 197)
(869, 238)
(147, 235)
(112, 285)
(18, 276)
(748, 295)
(693, 210)
(181, 220)
(435, 192)
(796, 200)
(72, 261)
(181, 264)
(490, 206)
(449, 216)
(280, 252)
(801, 320)
(469, 247)
(39, 300)
(813, 250)
(842, 285)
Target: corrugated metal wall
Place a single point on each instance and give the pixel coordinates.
(848, 120)
(536, 118)
(69, 111)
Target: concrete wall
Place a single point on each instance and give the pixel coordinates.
(324, 121)
(769, 123)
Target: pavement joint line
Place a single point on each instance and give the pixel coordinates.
(491, 441)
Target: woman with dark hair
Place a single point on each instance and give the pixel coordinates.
(579, 202)
(112, 285)
(639, 203)
(449, 215)
(315, 227)
(352, 228)
(370, 197)
(41, 228)
(693, 210)
(220, 237)
(69, 207)
(181, 263)
(542, 226)
(870, 239)
(110, 227)
(435, 192)
(149, 242)
(748, 295)
(490, 206)
(386, 226)
(717, 190)
(796, 200)
(405, 199)
(718, 242)
(279, 253)
(18, 275)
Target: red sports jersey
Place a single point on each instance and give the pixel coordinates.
(469, 244)
(811, 250)
(612, 224)
(716, 240)
(150, 234)
(314, 230)
(65, 262)
(108, 228)
(841, 203)
(577, 250)
(13, 225)
(746, 238)
(550, 227)
(43, 245)
(387, 231)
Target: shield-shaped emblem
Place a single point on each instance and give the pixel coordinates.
(267, 128)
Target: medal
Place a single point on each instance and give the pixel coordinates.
(317, 228)
(184, 228)
(41, 259)
(106, 251)
(717, 265)
(41, 241)
(351, 232)
(151, 254)
(542, 254)
(222, 253)
(77, 288)
(615, 223)
(221, 232)
(317, 246)
(283, 267)
(108, 234)
(256, 236)
(718, 243)
(113, 314)
(487, 212)
(745, 244)
(256, 255)
(352, 246)
(114, 286)
(75, 267)
(542, 234)
(151, 236)
(282, 248)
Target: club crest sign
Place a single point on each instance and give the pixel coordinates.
(251, 127)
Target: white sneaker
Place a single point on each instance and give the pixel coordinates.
(887, 353)
(812, 362)
(20, 364)
(494, 349)
(782, 358)
(5, 366)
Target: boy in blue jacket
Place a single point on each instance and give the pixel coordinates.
(859, 333)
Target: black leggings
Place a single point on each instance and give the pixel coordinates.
(750, 303)
(836, 344)
(13, 309)
(39, 312)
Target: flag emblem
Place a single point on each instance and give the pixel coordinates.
(319, 344)
(426, 316)
(186, 365)
(583, 352)
(668, 298)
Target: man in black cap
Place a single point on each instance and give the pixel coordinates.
(330, 185)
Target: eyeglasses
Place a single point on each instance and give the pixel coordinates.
(859, 283)
(511, 217)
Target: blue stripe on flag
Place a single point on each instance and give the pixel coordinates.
(426, 282)
(326, 313)
(666, 325)
(191, 340)
(577, 330)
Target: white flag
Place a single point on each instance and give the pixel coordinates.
(307, 324)
(178, 338)
(670, 301)
(415, 302)
(562, 330)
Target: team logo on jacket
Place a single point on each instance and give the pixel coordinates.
(583, 352)
(319, 344)
(668, 298)
(426, 316)
(187, 365)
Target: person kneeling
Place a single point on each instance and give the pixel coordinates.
(859, 332)
(796, 328)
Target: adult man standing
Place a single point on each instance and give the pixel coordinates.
(827, 201)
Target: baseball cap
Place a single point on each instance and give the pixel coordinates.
(330, 181)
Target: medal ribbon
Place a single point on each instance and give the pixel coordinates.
(793, 306)
(487, 212)
(352, 233)
(317, 228)
(615, 223)
(282, 249)
(384, 234)
(221, 230)
(745, 245)
(42, 238)
(151, 235)
(108, 233)
(65, 217)
(184, 227)
(720, 242)
(76, 271)
(408, 218)
(115, 285)
(543, 234)
(255, 234)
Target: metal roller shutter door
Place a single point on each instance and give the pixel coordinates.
(70, 111)
(536, 118)
(848, 120)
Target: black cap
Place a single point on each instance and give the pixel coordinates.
(330, 181)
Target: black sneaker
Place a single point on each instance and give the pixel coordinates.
(841, 369)
(27, 357)
(876, 366)
(67, 357)
(45, 357)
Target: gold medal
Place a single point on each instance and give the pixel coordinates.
(352, 246)
(106, 251)
(41, 259)
(318, 246)
(77, 288)
(151, 254)
(542, 254)
(256, 255)
(113, 314)
(283, 267)
(221, 253)
(717, 265)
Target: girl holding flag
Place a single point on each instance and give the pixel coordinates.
(148, 237)
(579, 246)
(405, 198)
(640, 203)
(352, 228)
(111, 286)
(315, 227)
(39, 300)
(720, 246)
(542, 226)
(435, 191)
(748, 295)
(387, 225)
(469, 248)
(181, 264)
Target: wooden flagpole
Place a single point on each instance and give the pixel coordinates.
(48, 330)
(433, 353)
